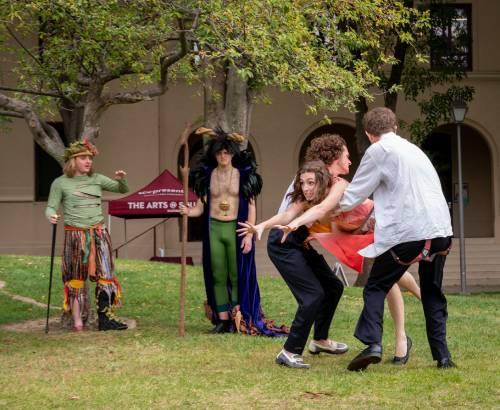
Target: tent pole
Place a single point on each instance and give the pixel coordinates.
(125, 225)
(154, 242)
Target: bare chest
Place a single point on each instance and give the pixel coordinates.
(225, 184)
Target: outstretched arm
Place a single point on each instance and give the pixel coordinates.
(319, 211)
(118, 184)
(279, 219)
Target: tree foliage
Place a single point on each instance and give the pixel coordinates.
(410, 74)
(76, 58)
(311, 47)
(69, 54)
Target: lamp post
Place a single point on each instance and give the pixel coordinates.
(458, 110)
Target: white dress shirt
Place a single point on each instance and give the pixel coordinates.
(286, 201)
(409, 201)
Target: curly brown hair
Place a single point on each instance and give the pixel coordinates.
(326, 148)
(379, 120)
(323, 179)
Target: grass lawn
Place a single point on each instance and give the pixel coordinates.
(151, 367)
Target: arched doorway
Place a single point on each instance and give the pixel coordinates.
(195, 141)
(441, 146)
(345, 131)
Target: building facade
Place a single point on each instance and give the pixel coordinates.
(144, 139)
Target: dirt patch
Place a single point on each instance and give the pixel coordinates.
(316, 395)
(55, 325)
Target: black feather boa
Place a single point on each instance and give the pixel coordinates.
(250, 180)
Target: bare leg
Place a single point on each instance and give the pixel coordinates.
(224, 315)
(397, 309)
(75, 312)
(408, 282)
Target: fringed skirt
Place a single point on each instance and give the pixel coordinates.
(88, 254)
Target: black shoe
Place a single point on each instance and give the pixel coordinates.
(223, 326)
(400, 360)
(371, 355)
(108, 321)
(445, 363)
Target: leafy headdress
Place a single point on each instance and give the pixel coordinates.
(79, 148)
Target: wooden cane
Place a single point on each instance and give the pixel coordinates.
(185, 178)
(54, 230)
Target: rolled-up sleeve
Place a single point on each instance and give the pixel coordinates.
(364, 183)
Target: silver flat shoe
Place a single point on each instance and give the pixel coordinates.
(294, 361)
(332, 347)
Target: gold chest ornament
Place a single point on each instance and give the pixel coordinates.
(224, 204)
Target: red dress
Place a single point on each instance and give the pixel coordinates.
(342, 242)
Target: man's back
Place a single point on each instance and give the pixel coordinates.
(409, 202)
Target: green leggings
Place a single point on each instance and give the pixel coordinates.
(224, 267)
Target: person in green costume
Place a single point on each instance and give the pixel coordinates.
(87, 245)
(224, 196)
(227, 183)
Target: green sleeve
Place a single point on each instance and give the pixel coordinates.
(55, 198)
(113, 185)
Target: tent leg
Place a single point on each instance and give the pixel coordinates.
(125, 229)
(154, 242)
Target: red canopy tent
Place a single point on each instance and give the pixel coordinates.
(161, 198)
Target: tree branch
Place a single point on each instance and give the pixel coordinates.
(10, 114)
(19, 42)
(24, 91)
(132, 97)
(44, 134)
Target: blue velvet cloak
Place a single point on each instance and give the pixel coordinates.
(248, 287)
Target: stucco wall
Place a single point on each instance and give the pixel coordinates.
(143, 139)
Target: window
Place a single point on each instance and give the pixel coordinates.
(451, 37)
(46, 168)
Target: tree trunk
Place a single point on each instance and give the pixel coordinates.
(92, 111)
(362, 142)
(72, 117)
(228, 101)
(214, 99)
(237, 103)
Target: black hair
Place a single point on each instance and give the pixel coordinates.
(217, 143)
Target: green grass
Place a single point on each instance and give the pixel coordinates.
(151, 367)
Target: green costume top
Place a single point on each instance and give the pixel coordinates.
(81, 198)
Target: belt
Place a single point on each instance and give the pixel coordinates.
(425, 255)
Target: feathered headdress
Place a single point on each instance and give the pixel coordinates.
(234, 136)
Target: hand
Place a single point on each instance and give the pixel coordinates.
(248, 228)
(246, 244)
(370, 225)
(286, 230)
(183, 209)
(53, 219)
(120, 174)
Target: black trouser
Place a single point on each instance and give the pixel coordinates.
(385, 273)
(312, 282)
